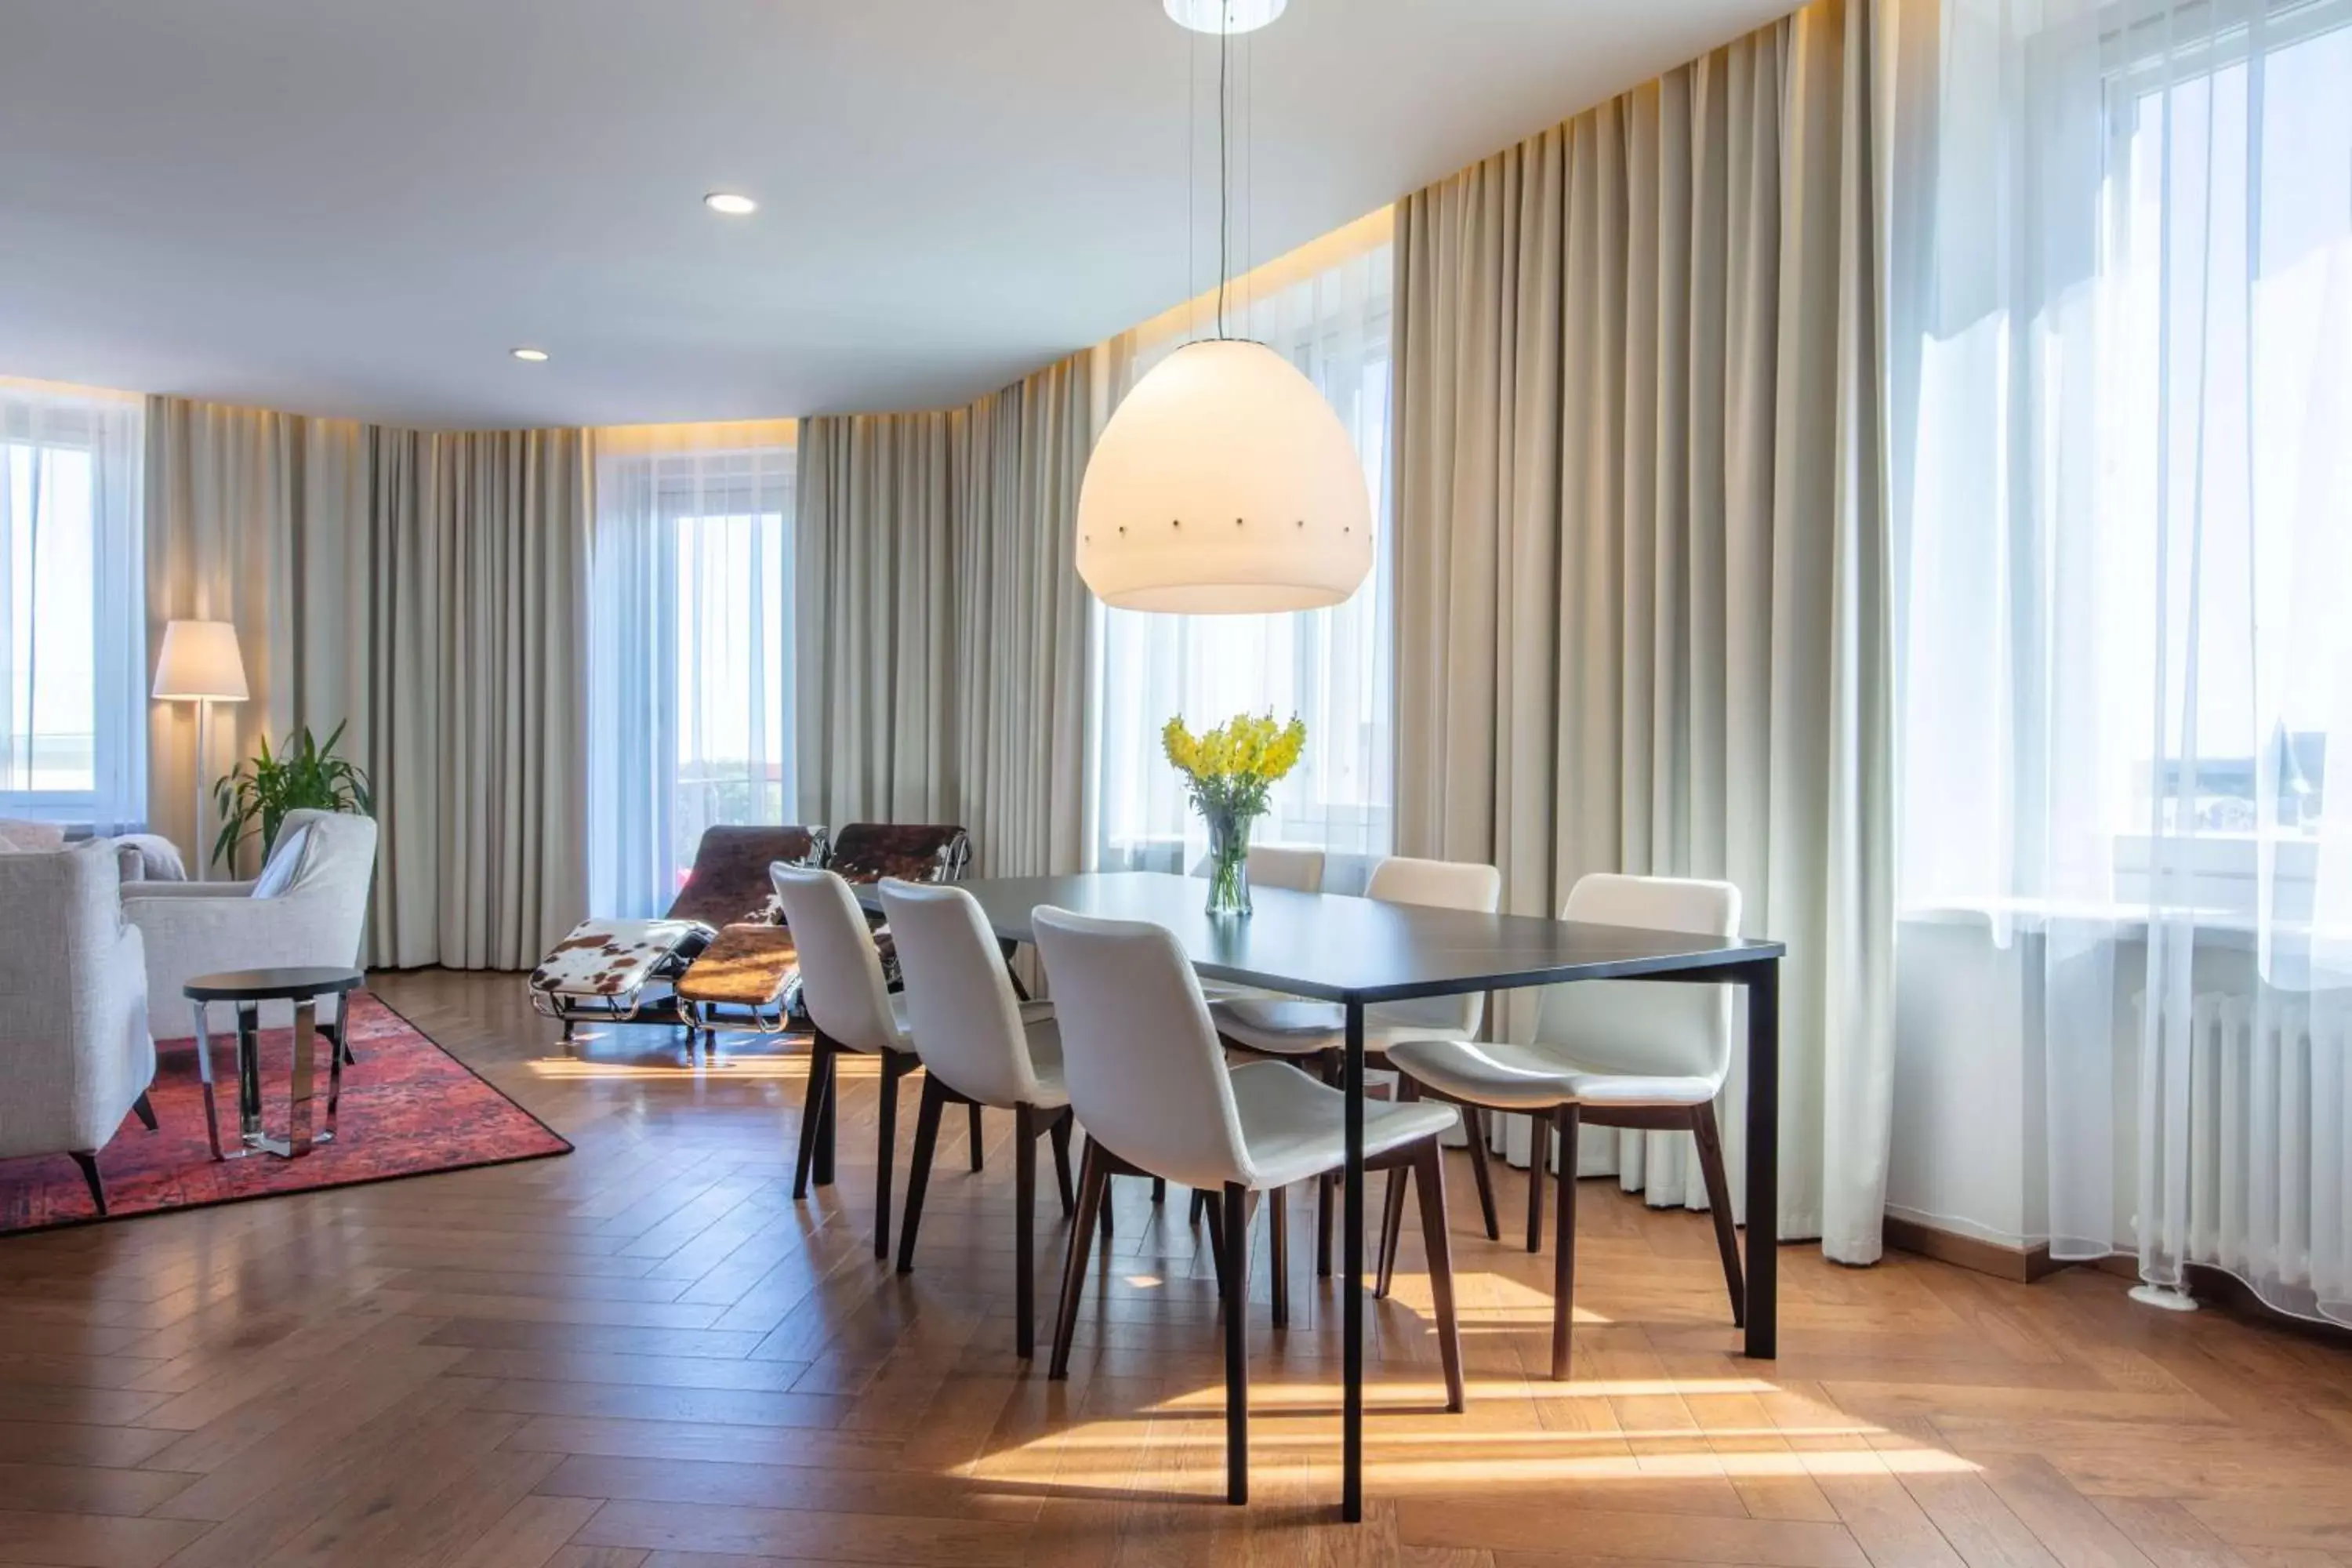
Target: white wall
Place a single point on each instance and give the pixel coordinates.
(1966, 1153)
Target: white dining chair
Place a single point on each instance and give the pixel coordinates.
(1642, 1054)
(1148, 1081)
(980, 1045)
(1299, 869)
(1313, 1033)
(850, 1002)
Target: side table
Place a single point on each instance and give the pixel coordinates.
(248, 989)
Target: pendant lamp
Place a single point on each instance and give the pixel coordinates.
(1224, 484)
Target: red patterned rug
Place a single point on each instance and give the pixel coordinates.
(409, 1108)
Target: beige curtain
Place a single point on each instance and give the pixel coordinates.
(872, 641)
(424, 589)
(1021, 643)
(941, 640)
(1642, 534)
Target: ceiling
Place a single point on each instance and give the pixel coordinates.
(358, 209)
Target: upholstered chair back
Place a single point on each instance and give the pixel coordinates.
(842, 984)
(1141, 1059)
(1442, 884)
(729, 883)
(1647, 1027)
(961, 1003)
(911, 851)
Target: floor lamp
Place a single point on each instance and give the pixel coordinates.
(200, 664)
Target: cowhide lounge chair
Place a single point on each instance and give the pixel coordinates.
(626, 971)
(749, 976)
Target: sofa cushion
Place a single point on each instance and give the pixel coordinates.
(285, 863)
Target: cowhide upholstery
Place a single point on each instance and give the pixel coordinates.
(730, 885)
(612, 960)
(913, 852)
(910, 851)
(750, 965)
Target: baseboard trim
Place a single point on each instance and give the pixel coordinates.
(2022, 1265)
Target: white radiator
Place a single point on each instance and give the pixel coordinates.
(2245, 1145)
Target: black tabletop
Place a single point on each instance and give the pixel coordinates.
(271, 984)
(1344, 949)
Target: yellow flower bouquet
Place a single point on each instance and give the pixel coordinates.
(1228, 772)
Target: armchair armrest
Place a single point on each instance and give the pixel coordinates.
(180, 890)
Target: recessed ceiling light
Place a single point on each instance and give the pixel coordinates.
(534, 355)
(732, 202)
(1224, 16)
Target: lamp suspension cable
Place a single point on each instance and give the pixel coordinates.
(1224, 174)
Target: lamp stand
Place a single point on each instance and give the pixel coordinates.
(204, 738)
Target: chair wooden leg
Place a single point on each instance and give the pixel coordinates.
(813, 1115)
(1024, 1231)
(1473, 1119)
(1108, 1194)
(1719, 1203)
(1325, 1187)
(1060, 1133)
(977, 1146)
(1277, 1241)
(1538, 1159)
(1217, 1245)
(1200, 1209)
(1391, 1230)
(1236, 1256)
(1092, 1178)
(1563, 1278)
(1429, 1182)
(144, 1109)
(1159, 1191)
(88, 1161)
(1392, 1210)
(885, 1146)
(919, 1175)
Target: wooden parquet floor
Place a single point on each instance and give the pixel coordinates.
(646, 1356)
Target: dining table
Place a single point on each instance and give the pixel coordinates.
(1360, 953)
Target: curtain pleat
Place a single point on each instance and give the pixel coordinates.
(424, 590)
(1643, 609)
(941, 650)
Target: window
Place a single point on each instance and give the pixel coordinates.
(1330, 667)
(690, 629)
(2127, 670)
(73, 643)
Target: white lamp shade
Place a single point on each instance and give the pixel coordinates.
(1225, 485)
(200, 661)
(1223, 15)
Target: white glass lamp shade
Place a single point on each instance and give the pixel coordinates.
(200, 661)
(1225, 485)
(1235, 16)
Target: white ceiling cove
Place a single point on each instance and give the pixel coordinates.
(359, 209)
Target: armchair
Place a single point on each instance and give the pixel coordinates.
(308, 907)
(74, 1053)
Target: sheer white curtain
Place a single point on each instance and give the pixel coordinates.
(2127, 722)
(689, 647)
(1329, 311)
(73, 649)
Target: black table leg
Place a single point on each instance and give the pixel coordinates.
(1351, 1285)
(1763, 1156)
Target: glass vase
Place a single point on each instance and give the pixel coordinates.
(1229, 836)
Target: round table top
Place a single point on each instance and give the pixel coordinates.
(271, 984)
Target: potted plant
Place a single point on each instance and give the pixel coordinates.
(305, 773)
(1229, 773)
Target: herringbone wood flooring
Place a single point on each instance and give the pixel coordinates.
(647, 1356)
